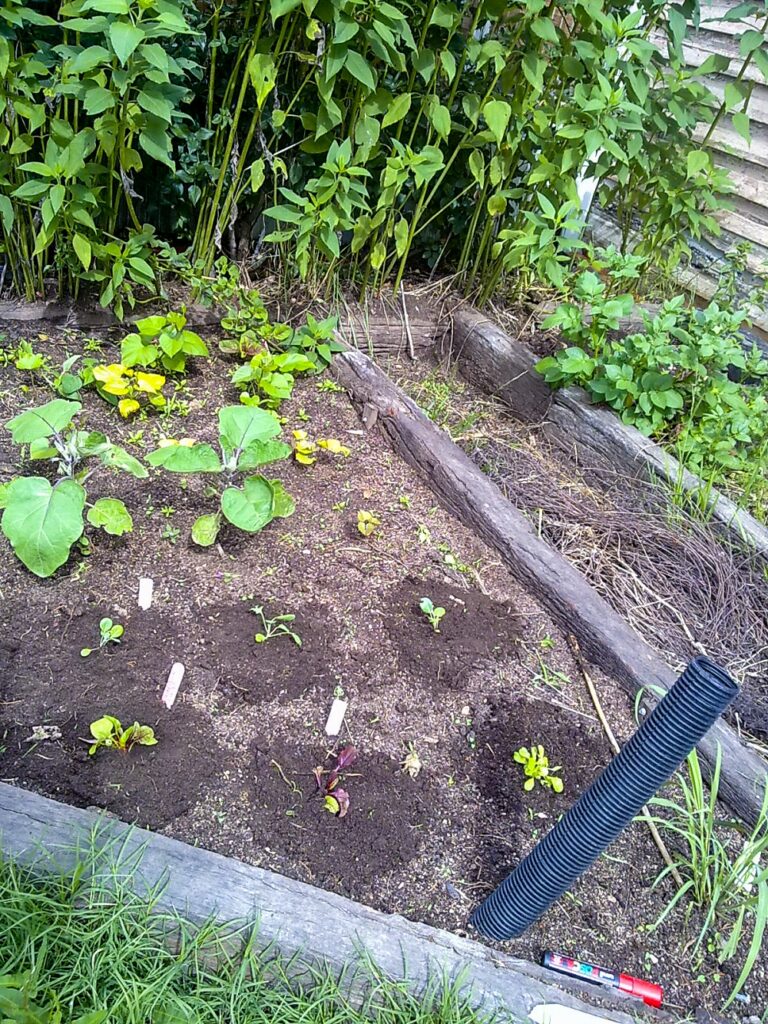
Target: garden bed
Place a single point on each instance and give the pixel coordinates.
(233, 768)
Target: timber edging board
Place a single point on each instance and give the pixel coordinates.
(605, 637)
(293, 918)
(489, 358)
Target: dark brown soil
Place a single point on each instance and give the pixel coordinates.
(474, 631)
(232, 770)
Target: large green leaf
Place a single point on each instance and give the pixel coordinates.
(43, 522)
(240, 426)
(249, 507)
(134, 352)
(125, 37)
(259, 453)
(110, 515)
(44, 421)
(177, 458)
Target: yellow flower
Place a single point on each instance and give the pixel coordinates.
(127, 407)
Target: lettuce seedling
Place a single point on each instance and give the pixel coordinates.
(335, 798)
(432, 613)
(42, 520)
(108, 732)
(246, 441)
(109, 633)
(537, 768)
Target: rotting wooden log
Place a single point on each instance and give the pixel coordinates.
(572, 422)
(84, 317)
(604, 636)
(293, 918)
(485, 353)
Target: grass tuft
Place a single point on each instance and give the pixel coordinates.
(88, 942)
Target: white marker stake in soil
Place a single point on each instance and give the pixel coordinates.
(146, 588)
(336, 717)
(172, 686)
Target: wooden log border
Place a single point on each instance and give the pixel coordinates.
(503, 366)
(294, 919)
(604, 636)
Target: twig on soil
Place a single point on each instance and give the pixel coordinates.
(645, 813)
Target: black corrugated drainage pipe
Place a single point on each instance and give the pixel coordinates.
(603, 811)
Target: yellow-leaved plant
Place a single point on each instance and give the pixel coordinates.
(129, 389)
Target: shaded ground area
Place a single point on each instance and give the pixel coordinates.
(233, 767)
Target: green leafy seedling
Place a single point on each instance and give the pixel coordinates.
(433, 614)
(247, 440)
(109, 633)
(108, 732)
(42, 520)
(537, 768)
(367, 522)
(162, 341)
(278, 626)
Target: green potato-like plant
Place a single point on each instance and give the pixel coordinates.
(247, 439)
(43, 520)
(162, 341)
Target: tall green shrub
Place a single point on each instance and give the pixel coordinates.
(361, 136)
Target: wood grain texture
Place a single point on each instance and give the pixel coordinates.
(486, 353)
(293, 917)
(604, 636)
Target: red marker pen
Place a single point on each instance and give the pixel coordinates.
(645, 990)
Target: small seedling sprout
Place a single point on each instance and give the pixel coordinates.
(108, 732)
(109, 633)
(433, 614)
(367, 522)
(278, 626)
(536, 767)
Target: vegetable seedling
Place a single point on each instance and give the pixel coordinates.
(247, 440)
(108, 732)
(109, 633)
(367, 522)
(274, 627)
(433, 614)
(335, 798)
(536, 767)
(42, 520)
(411, 763)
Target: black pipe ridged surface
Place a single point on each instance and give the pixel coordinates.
(603, 811)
